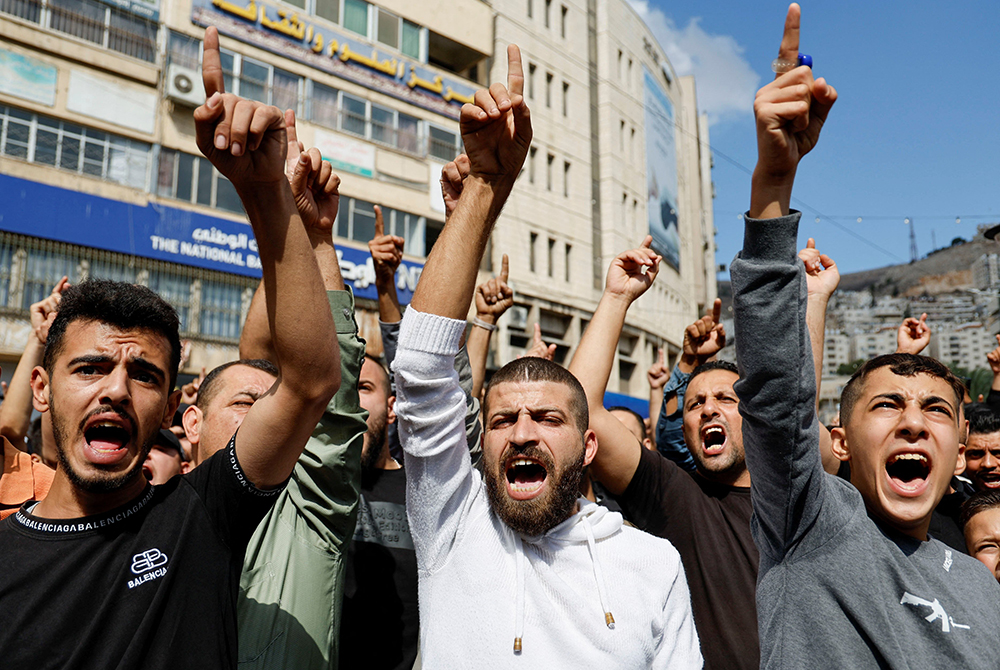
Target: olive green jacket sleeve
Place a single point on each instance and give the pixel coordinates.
(293, 573)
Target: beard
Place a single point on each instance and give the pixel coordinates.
(539, 515)
(375, 440)
(103, 482)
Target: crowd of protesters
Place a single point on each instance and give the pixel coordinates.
(312, 505)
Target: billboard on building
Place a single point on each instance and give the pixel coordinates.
(661, 172)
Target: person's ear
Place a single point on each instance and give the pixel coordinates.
(173, 401)
(193, 420)
(390, 416)
(838, 444)
(185, 467)
(40, 389)
(960, 461)
(589, 446)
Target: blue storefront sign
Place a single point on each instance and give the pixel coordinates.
(163, 233)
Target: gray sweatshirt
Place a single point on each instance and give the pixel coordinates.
(835, 589)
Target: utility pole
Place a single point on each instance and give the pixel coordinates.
(913, 241)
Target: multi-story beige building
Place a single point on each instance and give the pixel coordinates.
(101, 176)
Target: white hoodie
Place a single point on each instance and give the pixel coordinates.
(589, 593)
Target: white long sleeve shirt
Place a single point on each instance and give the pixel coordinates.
(482, 584)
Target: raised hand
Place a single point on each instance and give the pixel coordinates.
(244, 140)
(494, 297)
(632, 272)
(386, 250)
(496, 129)
(914, 335)
(993, 358)
(453, 177)
(822, 275)
(538, 348)
(315, 186)
(43, 312)
(189, 392)
(703, 339)
(658, 374)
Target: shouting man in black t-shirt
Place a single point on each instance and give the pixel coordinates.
(107, 570)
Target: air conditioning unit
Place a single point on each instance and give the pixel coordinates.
(517, 317)
(184, 86)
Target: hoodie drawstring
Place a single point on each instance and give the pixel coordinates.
(592, 545)
(519, 595)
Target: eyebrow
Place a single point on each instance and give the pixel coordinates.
(898, 398)
(101, 359)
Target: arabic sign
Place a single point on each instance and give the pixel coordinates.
(661, 173)
(321, 45)
(147, 9)
(346, 154)
(27, 77)
(163, 233)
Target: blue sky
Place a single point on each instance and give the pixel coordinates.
(915, 133)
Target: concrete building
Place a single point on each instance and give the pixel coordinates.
(869, 345)
(101, 176)
(964, 346)
(836, 351)
(986, 272)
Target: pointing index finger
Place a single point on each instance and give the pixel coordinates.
(379, 222)
(211, 64)
(716, 310)
(789, 50)
(515, 71)
(504, 269)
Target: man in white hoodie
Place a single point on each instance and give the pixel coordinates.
(514, 569)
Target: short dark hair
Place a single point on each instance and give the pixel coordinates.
(636, 415)
(904, 365)
(385, 373)
(533, 369)
(714, 365)
(118, 304)
(982, 419)
(979, 502)
(208, 384)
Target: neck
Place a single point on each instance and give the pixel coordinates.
(733, 477)
(65, 501)
(385, 461)
(587, 488)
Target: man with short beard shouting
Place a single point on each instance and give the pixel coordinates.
(514, 567)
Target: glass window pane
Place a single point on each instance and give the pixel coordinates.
(93, 158)
(388, 29)
(42, 270)
(382, 123)
(411, 40)
(132, 36)
(6, 259)
(225, 196)
(353, 120)
(356, 16)
(220, 309)
(165, 174)
(408, 133)
(45, 146)
(17, 139)
(285, 90)
(253, 81)
(442, 143)
(109, 270)
(185, 176)
(228, 61)
(323, 105)
(80, 18)
(364, 221)
(29, 10)
(183, 50)
(69, 158)
(176, 290)
(328, 9)
(204, 194)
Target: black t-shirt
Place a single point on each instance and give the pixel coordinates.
(381, 622)
(152, 584)
(709, 524)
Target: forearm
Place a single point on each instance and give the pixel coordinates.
(478, 346)
(302, 330)
(816, 323)
(770, 195)
(389, 310)
(255, 340)
(15, 412)
(449, 277)
(594, 356)
(655, 403)
(326, 259)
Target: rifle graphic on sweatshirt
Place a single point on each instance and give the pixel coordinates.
(937, 611)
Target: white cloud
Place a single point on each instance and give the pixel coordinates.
(725, 82)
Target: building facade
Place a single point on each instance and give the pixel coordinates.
(101, 176)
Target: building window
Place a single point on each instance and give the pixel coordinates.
(442, 143)
(388, 29)
(619, 64)
(531, 165)
(566, 178)
(567, 257)
(328, 9)
(67, 146)
(254, 80)
(356, 16)
(530, 8)
(43, 268)
(631, 145)
(562, 21)
(176, 290)
(531, 81)
(548, 171)
(323, 105)
(621, 136)
(551, 257)
(193, 179)
(565, 99)
(548, 13)
(548, 89)
(221, 309)
(410, 40)
(356, 221)
(532, 243)
(628, 80)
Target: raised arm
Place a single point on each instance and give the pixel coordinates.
(618, 452)
(387, 254)
(777, 383)
(913, 335)
(493, 298)
(822, 278)
(15, 412)
(247, 143)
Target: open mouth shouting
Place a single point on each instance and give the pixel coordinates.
(990, 479)
(108, 436)
(713, 439)
(908, 473)
(526, 477)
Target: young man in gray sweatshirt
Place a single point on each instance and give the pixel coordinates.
(849, 577)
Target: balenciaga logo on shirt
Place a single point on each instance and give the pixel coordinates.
(149, 565)
(937, 612)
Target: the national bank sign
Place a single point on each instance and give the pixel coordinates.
(325, 47)
(163, 233)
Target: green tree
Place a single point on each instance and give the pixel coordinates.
(850, 368)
